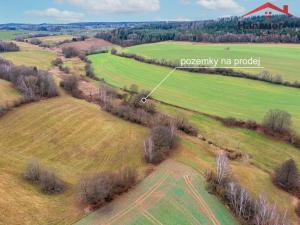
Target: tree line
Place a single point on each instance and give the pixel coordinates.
(32, 83)
(8, 47)
(279, 29)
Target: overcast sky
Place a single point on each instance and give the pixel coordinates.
(65, 11)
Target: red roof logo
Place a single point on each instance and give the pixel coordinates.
(268, 5)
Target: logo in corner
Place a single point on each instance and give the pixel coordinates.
(267, 7)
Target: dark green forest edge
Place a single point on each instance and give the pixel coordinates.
(278, 29)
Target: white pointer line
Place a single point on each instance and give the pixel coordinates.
(186, 67)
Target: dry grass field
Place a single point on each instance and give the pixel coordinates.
(72, 137)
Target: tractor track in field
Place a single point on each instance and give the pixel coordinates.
(202, 203)
(138, 201)
(151, 218)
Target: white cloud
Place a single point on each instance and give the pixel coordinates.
(116, 6)
(59, 15)
(228, 5)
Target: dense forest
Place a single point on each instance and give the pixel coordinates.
(234, 29)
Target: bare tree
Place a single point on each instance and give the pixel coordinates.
(277, 120)
(287, 177)
(266, 214)
(223, 168)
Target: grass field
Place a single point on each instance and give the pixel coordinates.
(30, 56)
(277, 59)
(217, 95)
(51, 40)
(7, 92)
(173, 194)
(71, 136)
(10, 35)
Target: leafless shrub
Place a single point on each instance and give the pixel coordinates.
(57, 62)
(266, 214)
(70, 52)
(124, 180)
(32, 171)
(70, 84)
(287, 177)
(223, 168)
(8, 47)
(240, 201)
(159, 144)
(35, 41)
(183, 125)
(50, 183)
(277, 121)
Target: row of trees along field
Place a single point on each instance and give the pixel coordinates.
(280, 29)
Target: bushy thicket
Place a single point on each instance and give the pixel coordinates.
(277, 121)
(233, 122)
(250, 210)
(287, 177)
(70, 84)
(8, 47)
(263, 76)
(159, 144)
(70, 52)
(57, 62)
(101, 188)
(31, 82)
(134, 110)
(47, 180)
(35, 41)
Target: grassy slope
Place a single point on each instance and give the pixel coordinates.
(7, 92)
(171, 202)
(69, 135)
(217, 95)
(30, 56)
(278, 59)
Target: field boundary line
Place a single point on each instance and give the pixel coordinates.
(201, 201)
(137, 201)
(151, 217)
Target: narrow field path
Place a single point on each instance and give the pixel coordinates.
(202, 203)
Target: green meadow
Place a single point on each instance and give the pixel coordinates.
(212, 94)
(277, 59)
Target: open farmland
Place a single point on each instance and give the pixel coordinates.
(212, 94)
(91, 43)
(71, 136)
(10, 35)
(7, 92)
(173, 194)
(30, 55)
(52, 40)
(278, 59)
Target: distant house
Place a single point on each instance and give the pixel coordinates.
(267, 7)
